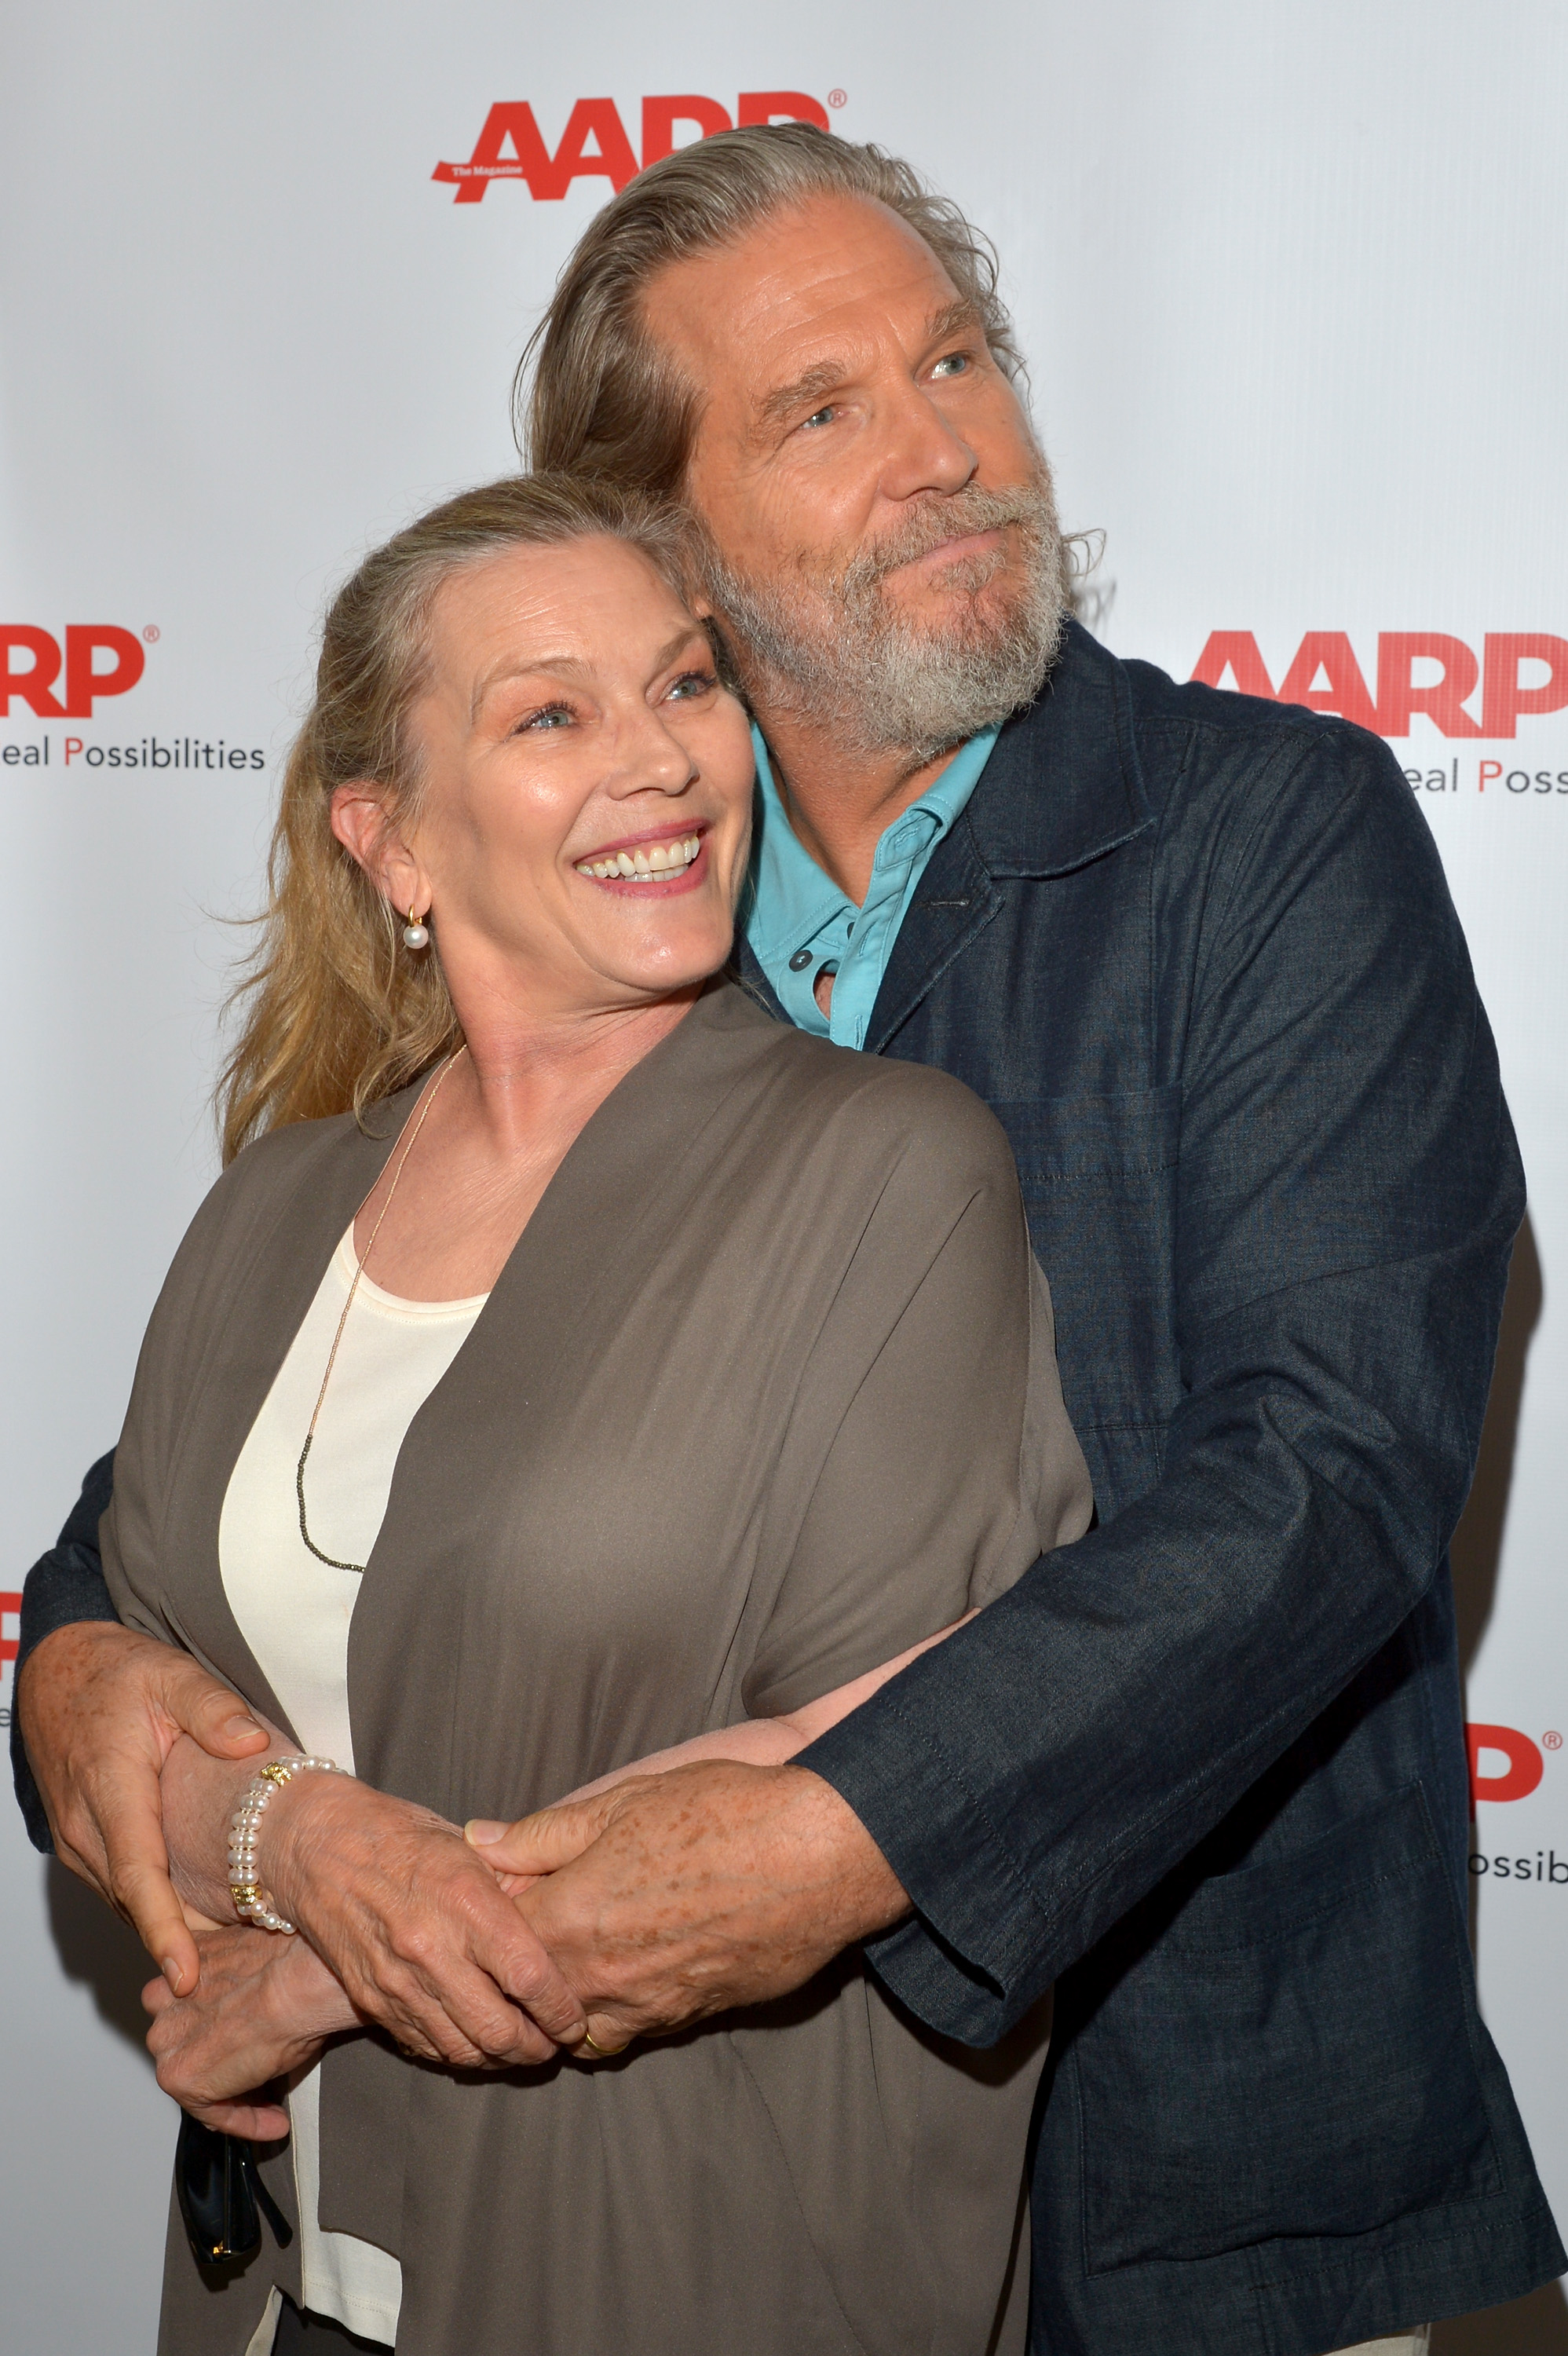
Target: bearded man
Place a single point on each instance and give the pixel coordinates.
(1204, 1769)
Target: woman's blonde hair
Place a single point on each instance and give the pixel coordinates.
(336, 1012)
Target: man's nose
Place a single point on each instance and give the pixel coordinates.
(923, 451)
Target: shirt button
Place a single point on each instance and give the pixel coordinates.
(800, 960)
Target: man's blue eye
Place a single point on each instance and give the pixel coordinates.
(951, 364)
(819, 417)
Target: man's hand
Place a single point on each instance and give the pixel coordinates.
(414, 1926)
(265, 2007)
(674, 1896)
(99, 1708)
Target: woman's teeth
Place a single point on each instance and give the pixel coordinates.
(655, 864)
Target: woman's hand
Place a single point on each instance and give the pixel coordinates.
(265, 2007)
(407, 1918)
(414, 1926)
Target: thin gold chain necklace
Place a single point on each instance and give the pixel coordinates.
(331, 1560)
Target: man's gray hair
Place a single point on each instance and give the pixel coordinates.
(605, 399)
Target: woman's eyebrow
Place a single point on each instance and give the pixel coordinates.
(557, 665)
(672, 647)
(572, 666)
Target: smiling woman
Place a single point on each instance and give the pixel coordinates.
(429, 662)
(576, 1365)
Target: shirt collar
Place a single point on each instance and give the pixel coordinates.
(788, 894)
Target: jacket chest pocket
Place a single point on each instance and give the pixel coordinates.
(1098, 1175)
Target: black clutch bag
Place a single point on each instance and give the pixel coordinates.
(222, 2198)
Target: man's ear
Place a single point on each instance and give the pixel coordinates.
(360, 821)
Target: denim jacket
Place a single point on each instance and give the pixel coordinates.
(1204, 1769)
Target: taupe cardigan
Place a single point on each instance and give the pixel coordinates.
(765, 1393)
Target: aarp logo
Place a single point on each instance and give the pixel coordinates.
(1518, 674)
(510, 146)
(10, 1640)
(1506, 1764)
(31, 661)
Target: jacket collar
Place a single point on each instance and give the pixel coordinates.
(745, 968)
(1062, 787)
(1064, 783)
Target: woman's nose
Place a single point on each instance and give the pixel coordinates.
(651, 758)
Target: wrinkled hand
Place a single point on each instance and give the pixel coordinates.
(413, 1924)
(674, 1896)
(101, 1707)
(264, 2008)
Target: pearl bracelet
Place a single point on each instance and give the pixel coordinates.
(244, 1887)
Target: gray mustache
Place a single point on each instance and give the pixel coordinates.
(963, 511)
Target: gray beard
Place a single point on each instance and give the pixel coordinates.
(830, 649)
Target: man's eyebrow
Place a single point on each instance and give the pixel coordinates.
(961, 313)
(804, 392)
(573, 666)
(807, 389)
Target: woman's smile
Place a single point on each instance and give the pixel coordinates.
(674, 863)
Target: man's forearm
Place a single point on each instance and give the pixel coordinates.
(757, 1742)
(1034, 1778)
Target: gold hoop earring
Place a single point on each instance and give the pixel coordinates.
(415, 935)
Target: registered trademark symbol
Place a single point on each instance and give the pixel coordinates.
(152, 634)
(1552, 1741)
(837, 98)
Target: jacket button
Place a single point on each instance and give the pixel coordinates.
(800, 960)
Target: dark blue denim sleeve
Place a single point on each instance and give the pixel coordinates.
(65, 1585)
(1346, 1196)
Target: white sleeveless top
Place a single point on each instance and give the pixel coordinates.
(293, 1612)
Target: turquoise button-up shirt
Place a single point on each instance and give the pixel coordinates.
(800, 924)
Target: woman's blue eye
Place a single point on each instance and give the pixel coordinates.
(951, 364)
(694, 682)
(554, 715)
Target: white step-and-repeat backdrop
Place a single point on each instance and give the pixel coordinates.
(1291, 283)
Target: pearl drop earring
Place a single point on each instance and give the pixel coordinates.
(415, 935)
